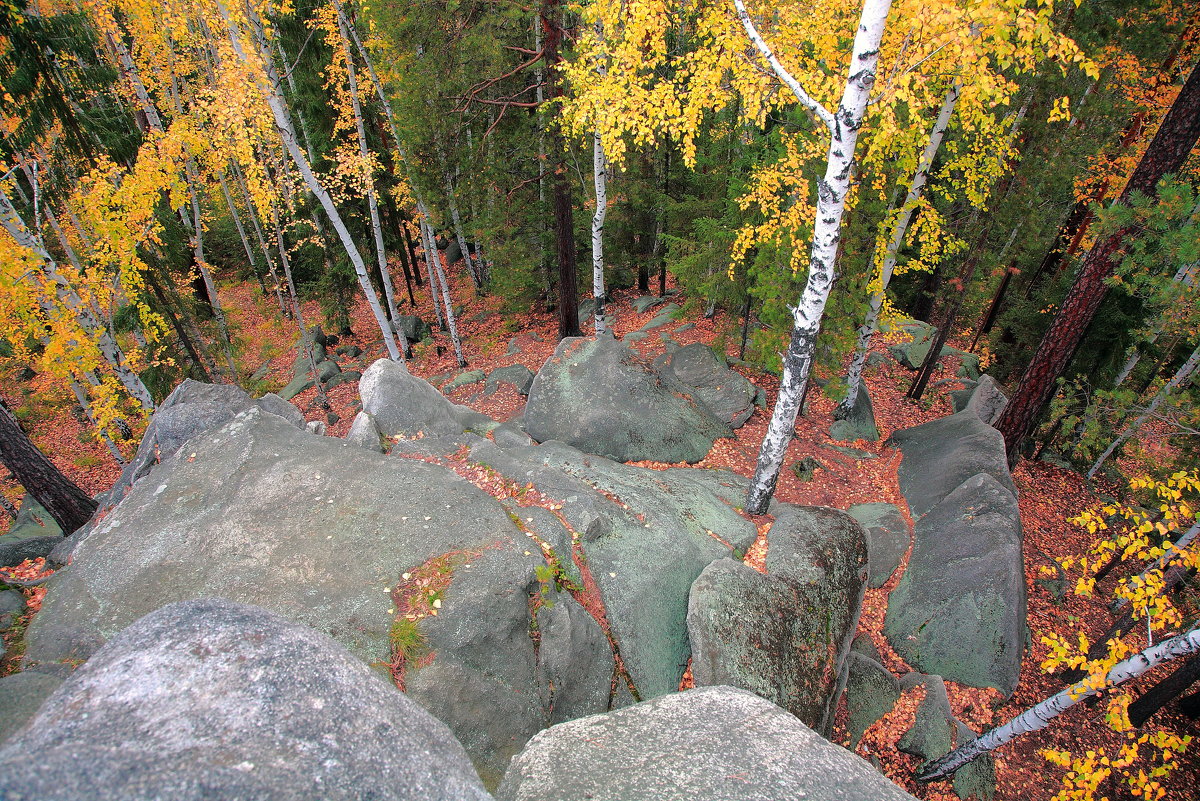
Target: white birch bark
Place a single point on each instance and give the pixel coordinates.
(237, 221)
(460, 234)
(449, 308)
(600, 173)
(429, 244)
(831, 203)
(867, 330)
(268, 84)
(1181, 376)
(385, 275)
(202, 265)
(258, 234)
(108, 347)
(129, 68)
(1039, 717)
(81, 397)
(298, 312)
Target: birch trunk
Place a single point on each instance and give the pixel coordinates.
(1181, 376)
(1039, 717)
(600, 173)
(867, 330)
(262, 241)
(268, 84)
(237, 223)
(298, 313)
(831, 203)
(385, 275)
(15, 226)
(81, 397)
(449, 308)
(460, 235)
(202, 265)
(429, 244)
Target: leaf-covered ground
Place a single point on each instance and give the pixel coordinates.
(1049, 496)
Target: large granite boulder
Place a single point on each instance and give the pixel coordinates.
(784, 635)
(726, 393)
(859, 423)
(871, 692)
(214, 699)
(32, 535)
(959, 609)
(887, 538)
(21, 695)
(601, 397)
(320, 531)
(190, 410)
(645, 536)
(406, 405)
(942, 454)
(985, 399)
(706, 744)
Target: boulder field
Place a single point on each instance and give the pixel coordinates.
(238, 618)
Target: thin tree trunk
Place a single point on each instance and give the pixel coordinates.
(1184, 276)
(993, 311)
(262, 240)
(429, 244)
(70, 506)
(81, 397)
(917, 388)
(298, 313)
(241, 229)
(1166, 153)
(600, 174)
(1164, 692)
(184, 340)
(12, 222)
(268, 83)
(210, 286)
(564, 212)
(1039, 717)
(843, 128)
(915, 188)
(385, 275)
(440, 276)
(1181, 376)
(660, 232)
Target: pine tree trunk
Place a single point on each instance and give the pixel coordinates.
(70, 506)
(1164, 692)
(1166, 153)
(564, 212)
(832, 188)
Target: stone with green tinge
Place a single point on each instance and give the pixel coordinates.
(871, 692)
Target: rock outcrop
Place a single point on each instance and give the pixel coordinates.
(706, 744)
(601, 397)
(213, 699)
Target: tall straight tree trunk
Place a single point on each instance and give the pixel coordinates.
(660, 231)
(298, 313)
(831, 203)
(600, 178)
(385, 275)
(564, 211)
(241, 229)
(268, 84)
(867, 330)
(210, 286)
(429, 244)
(440, 276)
(1179, 379)
(460, 234)
(1166, 153)
(81, 397)
(258, 234)
(70, 506)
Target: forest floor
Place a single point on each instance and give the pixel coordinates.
(1049, 496)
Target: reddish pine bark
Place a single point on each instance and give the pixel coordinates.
(64, 500)
(1166, 153)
